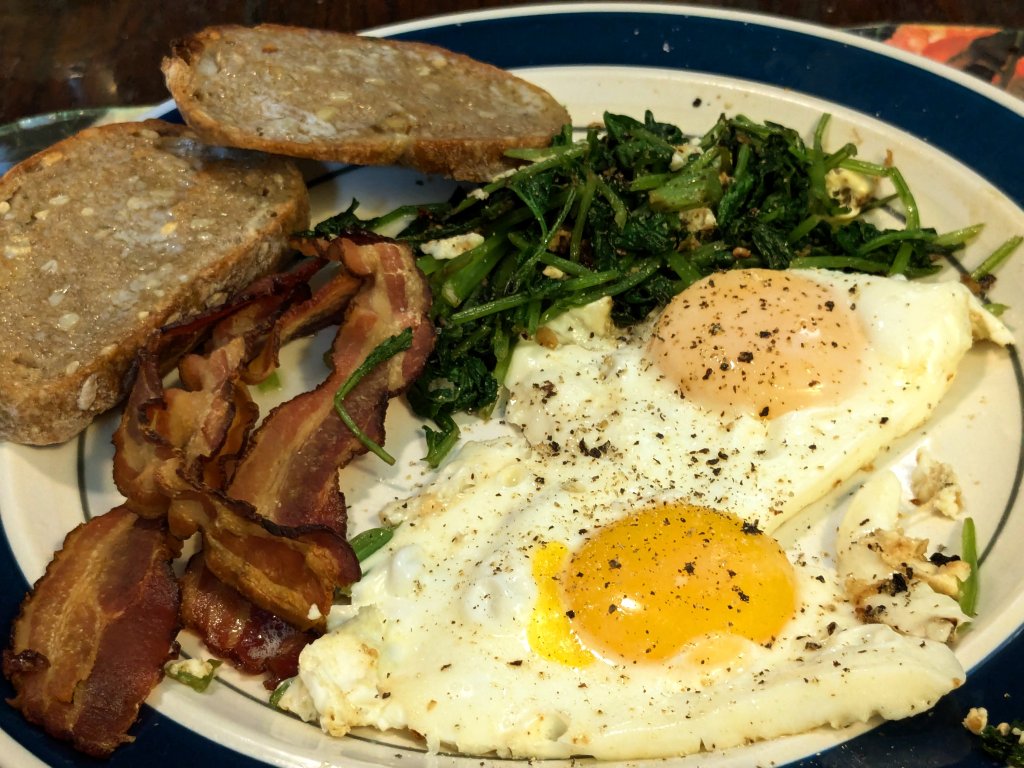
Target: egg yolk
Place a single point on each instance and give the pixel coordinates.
(760, 342)
(550, 632)
(644, 587)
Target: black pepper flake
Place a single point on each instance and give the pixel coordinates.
(707, 374)
(745, 357)
(764, 412)
(570, 614)
(516, 663)
(897, 584)
(548, 388)
(724, 365)
(595, 452)
(614, 564)
(884, 420)
(613, 608)
(750, 527)
(689, 568)
(830, 305)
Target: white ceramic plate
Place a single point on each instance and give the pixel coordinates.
(951, 137)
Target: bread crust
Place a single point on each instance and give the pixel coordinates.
(349, 98)
(109, 235)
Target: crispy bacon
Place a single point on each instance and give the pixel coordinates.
(283, 505)
(139, 450)
(213, 413)
(283, 570)
(287, 479)
(151, 432)
(289, 471)
(93, 635)
(324, 308)
(204, 424)
(252, 639)
(400, 297)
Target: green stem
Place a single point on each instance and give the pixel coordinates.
(997, 257)
(387, 349)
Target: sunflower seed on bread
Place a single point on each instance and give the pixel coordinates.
(355, 99)
(110, 234)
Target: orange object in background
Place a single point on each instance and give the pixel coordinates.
(990, 53)
(936, 41)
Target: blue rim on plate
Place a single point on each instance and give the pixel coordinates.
(929, 101)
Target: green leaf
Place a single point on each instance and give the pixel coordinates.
(605, 216)
(1003, 744)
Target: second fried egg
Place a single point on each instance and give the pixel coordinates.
(603, 581)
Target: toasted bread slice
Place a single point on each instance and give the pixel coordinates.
(354, 99)
(111, 234)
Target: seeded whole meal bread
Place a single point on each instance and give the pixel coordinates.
(111, 234)
(121, 229)
(355, 99)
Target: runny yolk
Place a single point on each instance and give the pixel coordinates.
(644, 587)
(760, 342)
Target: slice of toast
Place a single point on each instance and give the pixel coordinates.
(111, 234)
(355, 99)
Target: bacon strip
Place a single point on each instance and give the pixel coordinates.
(283, 570)
(252, 639)
(289, 471)
(139, 450)
(93, 635)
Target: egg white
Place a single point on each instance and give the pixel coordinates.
(595, 388)
(435, 639)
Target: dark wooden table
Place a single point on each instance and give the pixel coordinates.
(75, 54)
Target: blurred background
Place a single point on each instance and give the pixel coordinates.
(88, 54)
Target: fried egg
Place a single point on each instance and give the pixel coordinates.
(603, 580)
